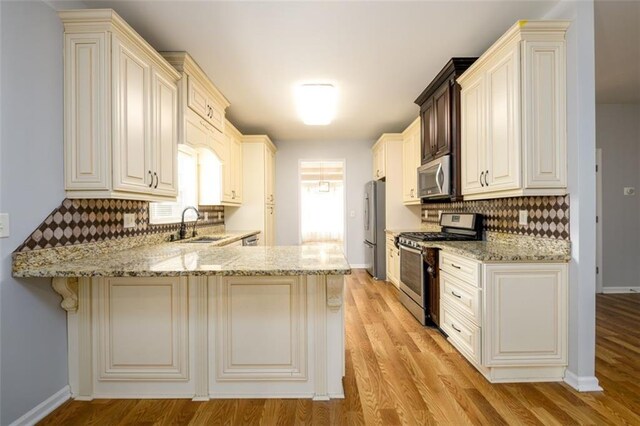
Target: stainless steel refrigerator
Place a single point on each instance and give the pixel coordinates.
(374, 238)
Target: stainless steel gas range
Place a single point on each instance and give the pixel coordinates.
(419, 282)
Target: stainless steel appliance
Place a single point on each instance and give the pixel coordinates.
(251, 240)
(419, 272)
(434, 178)
(374, 238)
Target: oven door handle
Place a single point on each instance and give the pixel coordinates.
(410, 249)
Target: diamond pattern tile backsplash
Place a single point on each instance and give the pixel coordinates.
(548, 216)
(90, 220)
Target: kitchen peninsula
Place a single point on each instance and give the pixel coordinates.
(200, 321)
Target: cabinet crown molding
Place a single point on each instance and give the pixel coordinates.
(452, 69)
(388, 137)
(522, 30)
(410, 127)
(264, 139)
(90, 20)
(184, 62)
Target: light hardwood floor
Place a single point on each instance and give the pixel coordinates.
(401, 373)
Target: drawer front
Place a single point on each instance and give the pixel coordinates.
(462, 296)
(464, 335)
(461, 268)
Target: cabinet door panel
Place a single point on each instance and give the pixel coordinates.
(132, 157)
(525, 314)
(426, 147)
(473, 137)
(165, 135)
(85, 123)
(503, 121)
(197, 98)
(544, 116)
(442, 121)
(142, 328)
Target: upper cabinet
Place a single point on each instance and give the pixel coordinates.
(514, 115)
(232, 177)
(410, 163)
(379, 152)
(440, 119)
(203, 125)
(120, 111)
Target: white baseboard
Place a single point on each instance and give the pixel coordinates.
(582, 384)
(39, 412)
(620, 290)
(358, 266)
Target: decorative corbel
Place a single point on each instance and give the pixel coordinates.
(68, 289)
(335, 290)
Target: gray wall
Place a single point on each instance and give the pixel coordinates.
(357, 156)
(618, 135)
(33, 326)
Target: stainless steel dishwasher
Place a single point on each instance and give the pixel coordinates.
(251, 240)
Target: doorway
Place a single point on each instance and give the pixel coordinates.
(322, 203)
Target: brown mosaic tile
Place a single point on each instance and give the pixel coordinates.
(87, 221)
(548, 216)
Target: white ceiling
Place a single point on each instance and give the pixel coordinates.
(617, 28)
(380, 55)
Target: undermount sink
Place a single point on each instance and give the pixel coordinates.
(203, 240)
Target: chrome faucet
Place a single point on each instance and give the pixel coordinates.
(182, 234)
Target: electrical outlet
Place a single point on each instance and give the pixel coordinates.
(4, 225)
(426, 214)
(352, 213)
(523, 218)
(219, 215)
(629, 190)
(129, 220)
(206, 216)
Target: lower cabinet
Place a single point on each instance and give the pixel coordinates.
(205, 337)
(393, 261)
(509, 320)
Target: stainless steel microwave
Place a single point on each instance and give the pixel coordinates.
(434, 178)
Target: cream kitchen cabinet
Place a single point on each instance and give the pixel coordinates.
(258, 209)
(379, 151)
(232, 185)
(393, 262)
(513, 115)
(120, 111)
(508, 319)
(410, 163)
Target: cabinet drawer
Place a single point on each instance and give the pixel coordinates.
(461, 268)
(464, 335)
(462, 296)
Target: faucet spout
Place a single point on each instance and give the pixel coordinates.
(182, 234)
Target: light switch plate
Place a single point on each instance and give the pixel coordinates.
(219, 215)
(629, 190)
(4, 225)
(206, 216)
(523, 218)
(129, 220)
(352, 213)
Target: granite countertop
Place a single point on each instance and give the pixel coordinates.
(181, 258)
(499, 247)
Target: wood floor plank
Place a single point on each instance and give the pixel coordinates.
(399, 372)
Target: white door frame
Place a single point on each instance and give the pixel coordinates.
(599, 284)
(344, 202)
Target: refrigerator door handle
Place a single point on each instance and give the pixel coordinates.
(366, 213)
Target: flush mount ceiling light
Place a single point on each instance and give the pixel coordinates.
(316, 103)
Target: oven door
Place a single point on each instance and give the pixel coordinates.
(412, 274)
(434, 178)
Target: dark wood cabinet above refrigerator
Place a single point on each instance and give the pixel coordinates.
(440, 118)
